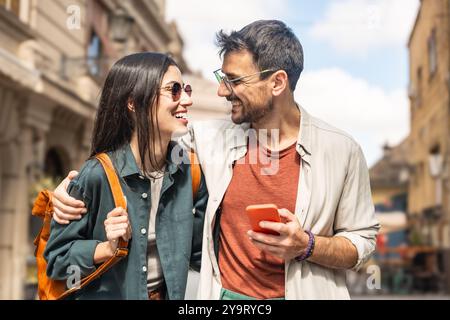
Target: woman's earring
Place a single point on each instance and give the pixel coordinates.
(130, 107)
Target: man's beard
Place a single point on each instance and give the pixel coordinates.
(252, 114)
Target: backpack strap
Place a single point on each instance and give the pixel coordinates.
(196, 174)
(116, 189)
(122, 247)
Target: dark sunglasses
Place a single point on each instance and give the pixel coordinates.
(176, 89)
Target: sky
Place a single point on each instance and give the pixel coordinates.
(356, 59)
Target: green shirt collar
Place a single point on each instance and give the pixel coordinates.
(126, 165)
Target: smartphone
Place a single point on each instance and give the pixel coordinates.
(263, 212)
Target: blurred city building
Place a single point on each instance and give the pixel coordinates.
(413, 178)
(429, 92)
(53, 58)
(389, 178)
(429, 186)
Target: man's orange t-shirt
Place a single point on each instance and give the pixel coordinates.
(244, 268)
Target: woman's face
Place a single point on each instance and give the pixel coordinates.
(172, 115)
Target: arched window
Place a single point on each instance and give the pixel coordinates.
(53, 165)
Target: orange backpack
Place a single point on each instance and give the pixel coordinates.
(49, 289)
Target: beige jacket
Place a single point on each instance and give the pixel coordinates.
(333, 199)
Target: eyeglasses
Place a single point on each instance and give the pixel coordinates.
(176, 89)
(230, 82)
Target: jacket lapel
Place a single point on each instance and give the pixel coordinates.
(305, 179)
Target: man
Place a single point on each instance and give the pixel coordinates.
(320, 181)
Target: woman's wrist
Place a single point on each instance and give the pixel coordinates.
(103, 252)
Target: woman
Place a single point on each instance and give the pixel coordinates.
(142, 107)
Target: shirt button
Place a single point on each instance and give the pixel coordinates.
(144, 196)
(143, 231)
(144, 269)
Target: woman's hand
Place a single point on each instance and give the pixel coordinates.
(117, 225)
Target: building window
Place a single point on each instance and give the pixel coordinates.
(94, 54)
(421, 173)
(11, 5)
(414, 175)
(418, 101)
(432, 53)
(435, 161)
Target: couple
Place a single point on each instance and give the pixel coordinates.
(321, 184)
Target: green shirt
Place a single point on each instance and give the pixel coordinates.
(179, 226)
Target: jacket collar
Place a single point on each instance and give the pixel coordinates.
(303, 140)
(126, 165)
(304, 135)
(238, 140)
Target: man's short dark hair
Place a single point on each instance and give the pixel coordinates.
(274, 46)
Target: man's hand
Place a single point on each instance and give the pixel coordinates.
(65, 207)
(291, 242)
(334, 252)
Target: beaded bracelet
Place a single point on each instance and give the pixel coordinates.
(309, 249)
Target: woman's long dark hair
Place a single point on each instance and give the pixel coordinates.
(134, 79)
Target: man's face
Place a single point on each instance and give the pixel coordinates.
(251, 98)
